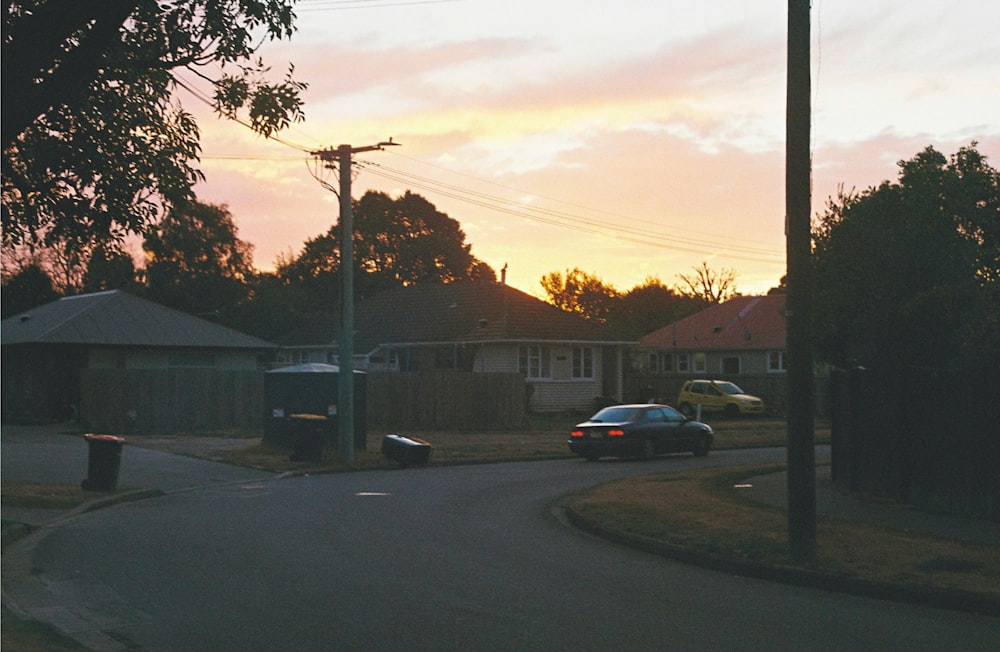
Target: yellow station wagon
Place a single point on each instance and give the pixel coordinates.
(717, 396)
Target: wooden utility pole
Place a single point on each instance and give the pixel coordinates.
(798, 212)
(345, 352)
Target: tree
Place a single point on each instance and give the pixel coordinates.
(196, 262)
(93, 146)
(580, 293)
(407, 240)
(28, 287)
(402, 241)
(648, 307)
(708, 286)
(906, 273)
(109, 268)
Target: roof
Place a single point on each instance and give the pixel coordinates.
(116, 318)
(460, 312)
(754, 322)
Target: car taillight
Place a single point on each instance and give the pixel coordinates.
(576, 433)
(617, 432)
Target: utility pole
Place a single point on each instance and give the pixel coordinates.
(798, 210)
(345, 353)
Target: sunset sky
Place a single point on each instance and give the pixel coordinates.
(629, 139)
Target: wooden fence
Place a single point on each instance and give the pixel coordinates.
(446, 401)
(171, 401)
(925, 437)
(168, 401)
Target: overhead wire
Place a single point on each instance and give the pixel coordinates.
(495, 203)
(565, 220)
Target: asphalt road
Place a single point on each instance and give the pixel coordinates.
(440, 558)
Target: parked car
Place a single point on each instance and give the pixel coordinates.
(717, 396)
(641, 430)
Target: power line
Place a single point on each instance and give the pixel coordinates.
(570, 220)
(573, 221)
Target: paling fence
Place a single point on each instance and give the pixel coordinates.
(446, 400)
(925, 437)
(171, 401)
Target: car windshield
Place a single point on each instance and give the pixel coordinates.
(729, 388)
(615, 414)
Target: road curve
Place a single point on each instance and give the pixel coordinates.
(438, 558)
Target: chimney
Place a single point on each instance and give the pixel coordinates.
(503, 275)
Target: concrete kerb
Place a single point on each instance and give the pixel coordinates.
(956, 600)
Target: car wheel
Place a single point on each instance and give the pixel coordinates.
(732, 410)
(646, 449)
(686, 410)
(701, 450)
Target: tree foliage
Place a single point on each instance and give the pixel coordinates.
(30, 286)
(580, 293)
(401, 241)
(627, 315)
(196, 262)
(94, 146)
(907, 272)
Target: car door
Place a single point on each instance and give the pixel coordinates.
(656, 428)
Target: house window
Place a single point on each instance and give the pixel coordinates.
(776, 361)
(731, 365)
(700, 363)
(661, 363)
(583, 362)
(533, 361)
(683, 363)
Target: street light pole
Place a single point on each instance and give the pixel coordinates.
(345, 353)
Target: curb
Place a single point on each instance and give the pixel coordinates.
(952, 599)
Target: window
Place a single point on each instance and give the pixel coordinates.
(700, 363)
(661, 363)
(583, 362)
(683, 363)
(533, 361)
(776, 361)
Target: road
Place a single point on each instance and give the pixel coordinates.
(437, 558)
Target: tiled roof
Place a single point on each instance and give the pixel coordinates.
(756, 322)
(115, 318)
(464, 311)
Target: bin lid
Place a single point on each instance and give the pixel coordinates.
(110, 438)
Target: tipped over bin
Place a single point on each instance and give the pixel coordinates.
(406, 450)
(103, 462)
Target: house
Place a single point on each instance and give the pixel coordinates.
(48, 350)
(477, 327)
(742, 340)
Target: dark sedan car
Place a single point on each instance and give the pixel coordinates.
(641, 430)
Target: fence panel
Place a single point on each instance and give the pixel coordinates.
(446, 401)
(170, 401)
(921, 436)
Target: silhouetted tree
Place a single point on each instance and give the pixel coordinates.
(28, 287)
(94, 144)
(708, 286)
(196, 262)
(907, 272)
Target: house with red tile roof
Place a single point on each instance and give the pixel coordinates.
(741, 340)
(479, 327)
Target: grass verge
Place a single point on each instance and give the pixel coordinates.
(702, 511)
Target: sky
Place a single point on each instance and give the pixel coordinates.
(630, 140)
